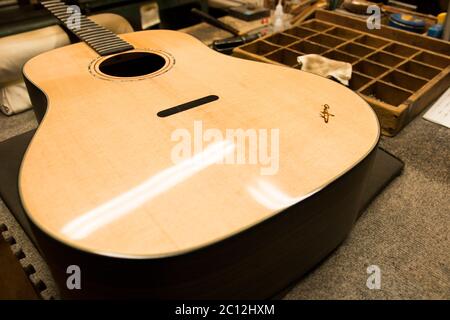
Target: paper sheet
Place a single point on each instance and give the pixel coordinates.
(440, 111)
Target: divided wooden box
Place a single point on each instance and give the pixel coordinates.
(397, 72)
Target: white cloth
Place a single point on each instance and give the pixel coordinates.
(17, 49)
(14, 98)
(341, 71)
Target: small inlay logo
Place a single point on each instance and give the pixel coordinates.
(325, 114)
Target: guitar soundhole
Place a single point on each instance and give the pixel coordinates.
(132, 64)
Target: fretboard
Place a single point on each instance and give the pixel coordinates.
(103, 41)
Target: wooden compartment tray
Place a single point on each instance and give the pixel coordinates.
(397, 72)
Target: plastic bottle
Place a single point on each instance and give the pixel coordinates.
(278, 24)
(437, 29)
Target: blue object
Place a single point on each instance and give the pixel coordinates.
(436, 31)
(407, 22)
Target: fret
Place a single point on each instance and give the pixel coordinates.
(110, 43)
(57, 8)
(61, 14)
(95, 42)
(94, 32)
(85, 27)
(100, 44)
(105, 43)
(108, 46)
(84, 31)
(51, 2)
(102, 40)
(60, 11)
(91, 30)
(96, 37)
(54, 5)
(88, 23)
(105, 47)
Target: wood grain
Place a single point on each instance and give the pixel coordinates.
(101, 139)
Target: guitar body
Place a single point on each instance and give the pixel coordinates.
(105, 187)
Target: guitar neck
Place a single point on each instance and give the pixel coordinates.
(100, 39)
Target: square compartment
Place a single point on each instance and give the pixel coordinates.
(316, 25)
(404, 80)
(400, 50)
(385, 59)
(259, 47)
(432, 59)
(342, 33)
(340, 56)
(356, 49)
(370, 69)
(358, 81)
(281, 39)
(371, 41)
(418, 69)
(299, 32)
(308, 47)
(386, 93)
(284, 56)
(326, 40)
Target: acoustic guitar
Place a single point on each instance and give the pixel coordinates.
(164, 169)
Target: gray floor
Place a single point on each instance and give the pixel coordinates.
(405, 231)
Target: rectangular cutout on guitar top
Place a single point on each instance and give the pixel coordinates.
(186, 106)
